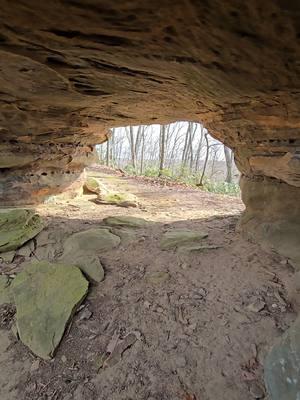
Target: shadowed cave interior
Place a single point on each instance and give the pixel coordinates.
(70, 70)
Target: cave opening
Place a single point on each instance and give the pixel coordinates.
(174, 291)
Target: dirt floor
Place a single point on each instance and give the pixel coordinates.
(180, 326)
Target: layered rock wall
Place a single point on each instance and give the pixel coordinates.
(71, 69)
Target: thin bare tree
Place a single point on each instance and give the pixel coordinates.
(228, 159)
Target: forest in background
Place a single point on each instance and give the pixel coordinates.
(181, 151)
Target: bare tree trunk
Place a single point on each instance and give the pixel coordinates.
(142, 151)
(107, 151)
(199, 150)
(192, 131)
(112, 148)
(130, 137)
(162, 142)
(205, 161)
(228, 158)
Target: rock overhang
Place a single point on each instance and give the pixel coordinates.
(71, 69)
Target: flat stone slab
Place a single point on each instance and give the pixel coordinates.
(178, 237)
(90, 265)
(17, 226)
(82, 249)
(119, 199)
(127, 235)
(93, 241)
(128, 221)
(282, 366)
(46, 296)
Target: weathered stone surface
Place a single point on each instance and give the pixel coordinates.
(83, 249)
(45, 296)
(5, 293)
(89, 264)
(126, 221)
(92, 185)
(178, 238)
(17, 226)
(49, 244)
(272, 216)
(8, 256)
(119, 199)
(95, 241)
(282, 366)
(72, 69)
(127, 235)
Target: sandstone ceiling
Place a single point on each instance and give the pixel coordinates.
(71, 69)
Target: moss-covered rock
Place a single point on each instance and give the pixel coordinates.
(5, 293)
(17, 226)
(89, 264)
(82, 249)
(92, 185)
(127, 235)
(46, 295)
(128, 221)
(93, 241)
(178, 238)
(119, 199)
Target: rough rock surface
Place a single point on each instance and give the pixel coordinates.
(92, 185)
(88, 263)
(17, 226)
(272, 215)
(282, 366)
(72, 69)
(45, 296)
(83, 249)
(177, 238)
(118, 198)
(126, 221)
(95, 240)
(5, 294)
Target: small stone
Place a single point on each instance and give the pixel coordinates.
(35, 365)
(159, 310)
(26, 250)
(257, 306)
(63, 358)
(92, 185)
(147, 304)
(157, 277)
(8, 256)
(85, 314)
(256, 391)
(14, 330)
(178, 237)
